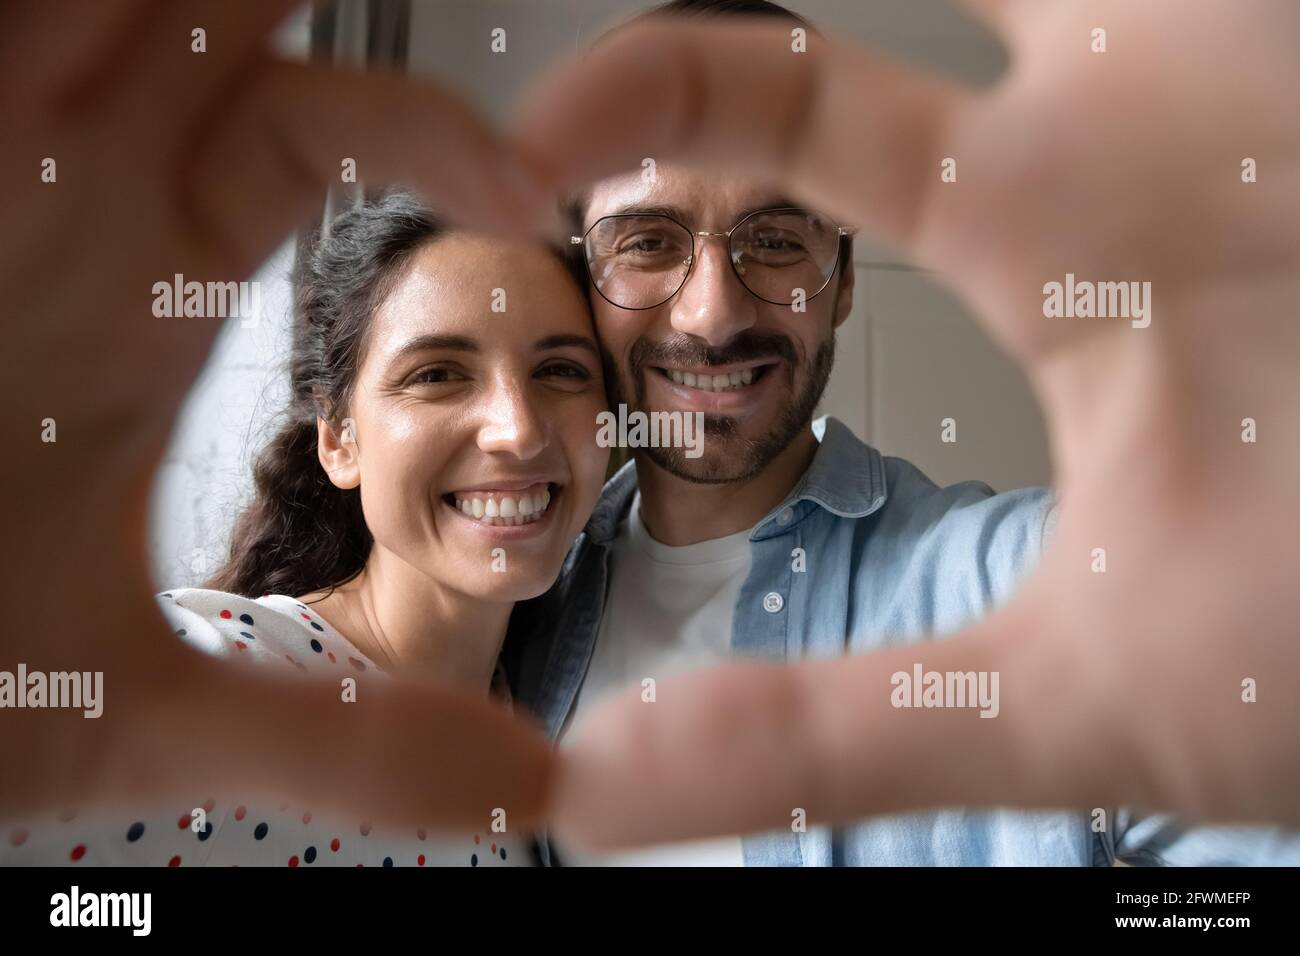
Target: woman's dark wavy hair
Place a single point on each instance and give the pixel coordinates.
(301, 533)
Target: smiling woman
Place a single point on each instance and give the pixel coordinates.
(408, 386)
(437, 460)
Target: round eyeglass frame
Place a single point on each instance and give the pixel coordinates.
(695, 235)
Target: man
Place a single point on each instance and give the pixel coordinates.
(787, 539)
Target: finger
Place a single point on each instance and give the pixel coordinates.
(752, 747)
(994, 13)
(171, 56)
(80, 31)
(263, 168)
(185, 726)
(852, 132)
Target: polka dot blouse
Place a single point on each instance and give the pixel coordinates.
(274, 631)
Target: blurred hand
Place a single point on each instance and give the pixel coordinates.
(1123, 687)
(170, 161)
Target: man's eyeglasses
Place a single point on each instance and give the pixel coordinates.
(780, 255)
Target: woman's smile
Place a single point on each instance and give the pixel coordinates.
(507, 510)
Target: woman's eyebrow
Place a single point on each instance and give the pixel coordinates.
(566, 341)
(427, 343)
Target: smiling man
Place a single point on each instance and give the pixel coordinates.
(787, 539)
(749, 343)
(720, 299)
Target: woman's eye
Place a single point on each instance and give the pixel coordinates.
(434, 376)
(565, 370)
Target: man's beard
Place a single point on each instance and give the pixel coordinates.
(733, 458)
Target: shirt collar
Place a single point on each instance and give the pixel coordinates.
(846, 477)
(615, 501)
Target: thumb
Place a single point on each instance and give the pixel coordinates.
(187, 724)
(748, 747)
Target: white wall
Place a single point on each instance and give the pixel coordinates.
(206, 475)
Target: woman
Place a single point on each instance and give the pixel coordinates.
(437, 462)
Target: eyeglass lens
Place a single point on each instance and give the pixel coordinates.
(640, 261)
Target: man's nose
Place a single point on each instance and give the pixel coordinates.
(511, 424)
(713, 306)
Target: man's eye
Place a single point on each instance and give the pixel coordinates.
(645, 244)
(777, 243)
(641, 246)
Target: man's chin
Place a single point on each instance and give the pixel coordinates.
(723, 460)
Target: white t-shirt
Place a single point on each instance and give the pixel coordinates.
(668, 610)
(272, 631)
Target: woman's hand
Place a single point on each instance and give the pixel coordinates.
(171, 161)
(1128, 686)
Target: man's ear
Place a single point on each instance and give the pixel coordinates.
(844, 290)
(338, 453)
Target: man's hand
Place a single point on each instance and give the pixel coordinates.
(1128, 686)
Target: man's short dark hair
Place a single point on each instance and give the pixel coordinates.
(751, 8)
(575, 209)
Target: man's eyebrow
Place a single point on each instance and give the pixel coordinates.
(679, 214)
(641, 209)
(426, 343)
(566, 341)
(774, 202)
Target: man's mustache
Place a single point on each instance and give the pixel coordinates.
(681, 349)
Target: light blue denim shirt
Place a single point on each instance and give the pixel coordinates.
(891, 559)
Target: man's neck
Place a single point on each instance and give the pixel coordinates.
(412, 627)
(678, 512)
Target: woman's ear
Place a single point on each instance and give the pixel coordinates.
(338, 453)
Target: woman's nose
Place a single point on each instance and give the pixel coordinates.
(511, 424)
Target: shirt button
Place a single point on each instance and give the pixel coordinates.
(785, 517)
(773, 602)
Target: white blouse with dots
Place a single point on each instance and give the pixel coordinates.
(273, 631)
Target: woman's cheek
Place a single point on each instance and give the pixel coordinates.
(400, 484)
(587, 459)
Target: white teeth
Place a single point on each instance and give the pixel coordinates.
(712, 383)
(506, 510)
(709, 383)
